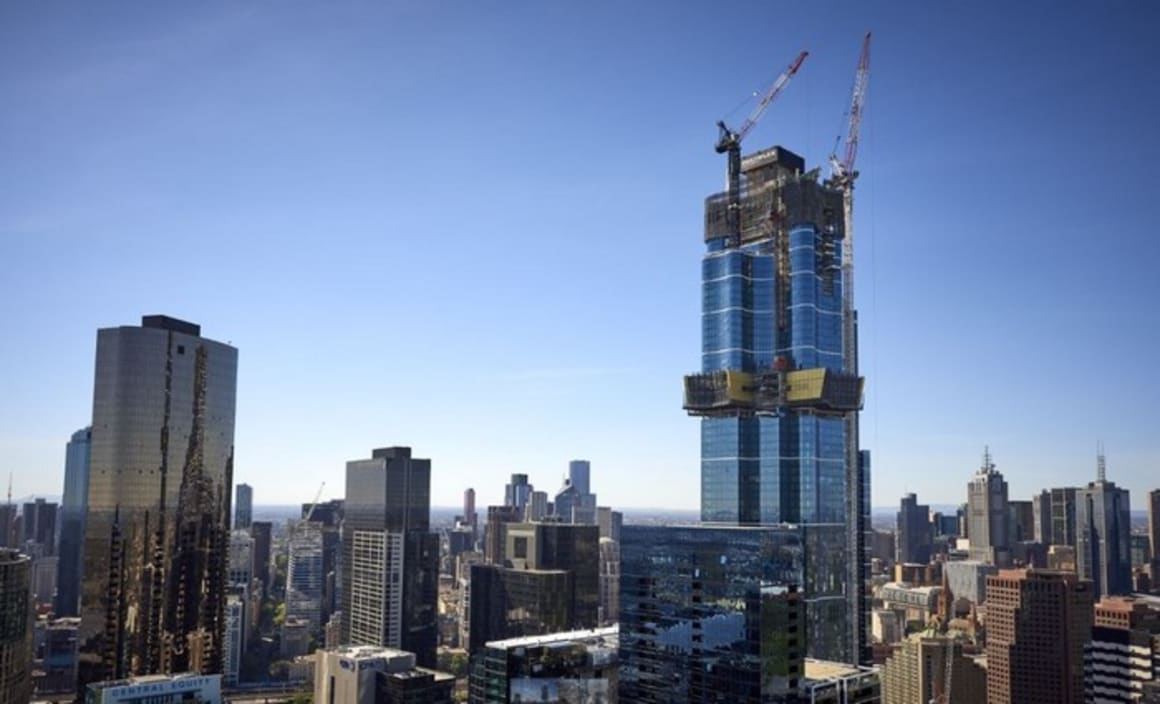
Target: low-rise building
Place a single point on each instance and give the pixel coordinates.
(158, 689)
(826, 682)
(916, 603)
(368, 674)
(575, 666)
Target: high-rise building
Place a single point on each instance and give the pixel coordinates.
(161, 468)
(390, 560)
(469, 515)
(914, 531)
(15, 628)
(244, 507)
(987, 515)
(8, 525)
(609, 581)
(1041, 516)
(304, 575)
(260, 531)
(54, 665)
(537, 506)
(518, 492)
(503, 602)
(1063, 521)
(241, 560)
(573, 666)
(712, 614)
(497, 518)
(328, 515)
(1103, 552)
(1037, 624)
(72, 523)
(1020, 522)
(235, 635)
(1123, 657)
(39, 521)
(1154, 531)
(580, 474)
(778, 391)
(929, 668)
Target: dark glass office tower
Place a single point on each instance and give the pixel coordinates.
(712, 614)
(72, 523)
(160, 480)
(390, 559)
(778, 391)
(244, 507)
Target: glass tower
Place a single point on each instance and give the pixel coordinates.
(72, 522)
(777, 395)
(160, 478)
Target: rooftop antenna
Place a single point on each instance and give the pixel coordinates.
(988, 465)
(1101, 463)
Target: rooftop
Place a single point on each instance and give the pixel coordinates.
(610, 632)
(818, 670)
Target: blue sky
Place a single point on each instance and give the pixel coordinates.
(475, 228)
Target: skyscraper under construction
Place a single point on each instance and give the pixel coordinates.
(160, 478)
(778, 392)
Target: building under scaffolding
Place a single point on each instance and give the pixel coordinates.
(778, 392)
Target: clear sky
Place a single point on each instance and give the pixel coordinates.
(475, 228)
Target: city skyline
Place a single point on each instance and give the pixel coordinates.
(967, 342)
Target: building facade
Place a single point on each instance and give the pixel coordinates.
(72, 523)
(244, 507)
(710, 614)
(1104, 551)
(1154, 531)
(914, 531)
(987, 514)
(390, 560)
(1063, 516)
(304, 575)
(1123, 658)
(1038, 622)
(930, 668)
(15, 627)
(261, 532)
(158, 689)
(362, 674)
(778, 391)
(572, 666)
(160, 474)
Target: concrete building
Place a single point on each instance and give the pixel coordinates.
(886, 626)
(609, 581)
(297, 635)
(967, 579)
(827, 682)
(241, 561)
(365, 674)
(1123, 657)
(1103, 551)
(571, 666)
(261, 532)
(235, 643)
(775, 279)
(157, 689)
(1041, 516)
(72, 523)
(390, 561)
(917, 604)
(987, 514)
(931, 668)
(1063, 516)
(160, 478)
(470, 517)
(16, 633)
(44, 573)
(914, 531)
(243, 507)
(304, 575)
(1037, 625)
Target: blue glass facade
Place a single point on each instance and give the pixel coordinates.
(773, 299)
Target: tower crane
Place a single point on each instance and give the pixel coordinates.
(729, 142)
(842, 177)
(314, 503)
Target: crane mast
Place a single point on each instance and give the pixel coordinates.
(729, 142)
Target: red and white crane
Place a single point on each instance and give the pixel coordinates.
(729, 141)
